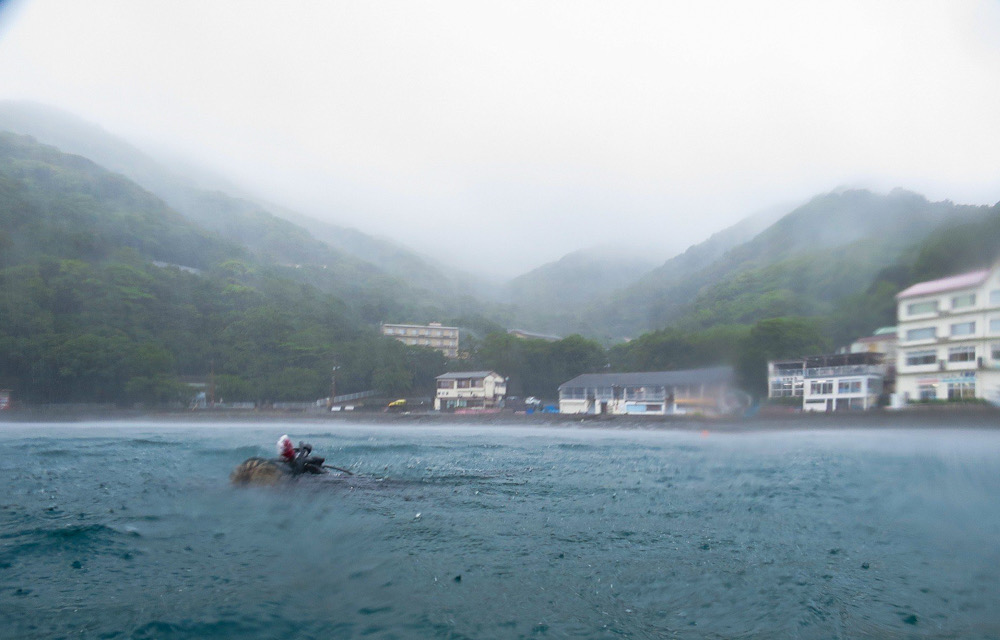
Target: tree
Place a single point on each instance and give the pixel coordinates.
(777, 338)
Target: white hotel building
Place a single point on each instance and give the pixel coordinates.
(949, 338)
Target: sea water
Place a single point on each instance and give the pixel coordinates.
(118, 530)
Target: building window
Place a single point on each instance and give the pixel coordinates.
(961, 354)
(963, 329)
(786, 388)
(446, 384)
(926, 333)
(995, 297)
(963, 301)
(463, 384)
(961, 390)
(849, 386)
(818, 387)
(477, 382)
(917, 358)
(995, 351)
(919, 308)
(994, 325)
(927, 391)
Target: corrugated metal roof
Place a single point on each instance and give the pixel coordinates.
(652, 378)
(960, 281)
(466, 374)
(885, 337)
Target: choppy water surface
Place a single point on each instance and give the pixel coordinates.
(132, 531)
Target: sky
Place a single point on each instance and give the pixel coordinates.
(499, 136)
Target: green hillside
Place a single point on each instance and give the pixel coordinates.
(549, 299)
(952, 248)
(829, 248)
(336, 259)
(108, 295)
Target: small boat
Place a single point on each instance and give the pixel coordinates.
(290, 463)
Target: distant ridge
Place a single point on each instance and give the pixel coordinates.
(823, 250)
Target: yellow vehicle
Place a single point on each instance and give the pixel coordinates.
(397, 405)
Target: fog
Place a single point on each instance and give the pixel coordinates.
(500, 136)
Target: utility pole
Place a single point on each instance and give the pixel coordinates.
(211, 384)
(333, 384)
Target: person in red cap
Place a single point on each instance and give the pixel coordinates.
(299, 459)
(285, 449)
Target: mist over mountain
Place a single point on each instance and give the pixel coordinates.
(548, 299)
(275, 232)
(826, 249)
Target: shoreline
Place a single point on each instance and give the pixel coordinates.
(939, 417)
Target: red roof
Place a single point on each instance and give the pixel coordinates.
(961, 281)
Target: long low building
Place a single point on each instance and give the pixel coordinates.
(709, 391)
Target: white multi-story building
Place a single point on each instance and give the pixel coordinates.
(843, 381)
(470, 390)
(949, 338)
(855, 378)
(433, 335)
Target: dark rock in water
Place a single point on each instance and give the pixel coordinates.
(260, 472)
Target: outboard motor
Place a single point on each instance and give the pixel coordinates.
(305, 462)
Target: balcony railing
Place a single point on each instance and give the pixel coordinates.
(849, 370)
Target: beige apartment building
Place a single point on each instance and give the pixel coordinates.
(949, 338)
(444, 339)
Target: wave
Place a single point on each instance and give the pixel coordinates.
(89, 538)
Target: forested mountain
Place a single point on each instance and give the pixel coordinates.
(108, 295)
(272, 232)
(828, 248)
(549, 299)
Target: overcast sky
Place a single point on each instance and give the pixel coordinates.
(505, 134)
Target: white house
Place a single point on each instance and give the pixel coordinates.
(470, 390)
(843, 381)
(949, 338)
(708, 390)
(851, 379)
